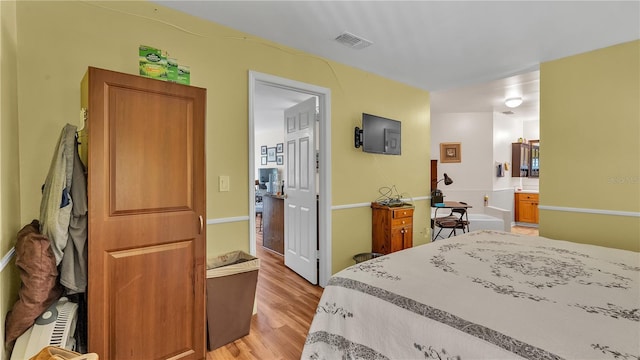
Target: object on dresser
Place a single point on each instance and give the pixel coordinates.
(389, 196)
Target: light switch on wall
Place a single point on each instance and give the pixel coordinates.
(223, 183)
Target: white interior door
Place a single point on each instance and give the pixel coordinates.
(300, 204)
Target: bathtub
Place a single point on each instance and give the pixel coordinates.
(493, 219)
(485, 222)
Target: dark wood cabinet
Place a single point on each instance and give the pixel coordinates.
(525, 159)
(273, 217)
(434, 175)
(534, 163)
(520, 160)
(392, 228)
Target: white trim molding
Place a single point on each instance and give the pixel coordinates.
(7, 258)
(589, 211)
(324, 141)
(368, 204)
(350, 206)
(227, 220)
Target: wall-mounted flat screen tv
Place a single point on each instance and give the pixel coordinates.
(379, 135)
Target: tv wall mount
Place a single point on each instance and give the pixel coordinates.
(357, 137)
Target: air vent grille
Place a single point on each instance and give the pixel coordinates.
(353, 41)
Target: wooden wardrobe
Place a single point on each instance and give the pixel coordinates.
(146, 236)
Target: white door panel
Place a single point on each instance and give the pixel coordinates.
(300, 235)
(304, 176)
(292, 165)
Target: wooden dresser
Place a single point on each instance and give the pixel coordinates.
(392, 228)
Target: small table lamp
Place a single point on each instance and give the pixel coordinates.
(436, 195)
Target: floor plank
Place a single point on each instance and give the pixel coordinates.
(525, 230)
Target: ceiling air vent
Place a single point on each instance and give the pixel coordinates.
(352, 41)
(508, 112)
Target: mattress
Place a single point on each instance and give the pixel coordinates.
(483, 295)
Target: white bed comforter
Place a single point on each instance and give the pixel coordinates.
(483, 295)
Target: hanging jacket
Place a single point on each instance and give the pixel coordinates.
(55, 207)
(73, 267)
(63, 211)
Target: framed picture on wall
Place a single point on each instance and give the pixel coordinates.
(263, 160)
(450, 153)
(271, 154)
(263, 150)
(280, 160)
(279, 148)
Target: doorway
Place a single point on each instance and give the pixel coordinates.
(324, 161)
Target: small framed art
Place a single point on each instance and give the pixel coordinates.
(271, 154)
(280, 148)
(263, 160)
(280, 160)
(450, 153)
(263, 150)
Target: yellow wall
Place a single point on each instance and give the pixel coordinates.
(590, 155)
(9, 170)
(58, 40)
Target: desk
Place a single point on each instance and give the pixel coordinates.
(448, 205)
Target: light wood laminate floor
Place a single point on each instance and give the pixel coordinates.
(525, 230)
(286, 305)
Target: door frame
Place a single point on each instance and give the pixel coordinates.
(324, 178)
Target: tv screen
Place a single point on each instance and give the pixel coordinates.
(380, 135)
(267, 174)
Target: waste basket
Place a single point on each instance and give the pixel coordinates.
(365, 256)
(231, 290)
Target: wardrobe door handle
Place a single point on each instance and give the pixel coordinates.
(201, 224)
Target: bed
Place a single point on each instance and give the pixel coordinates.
(483, 295)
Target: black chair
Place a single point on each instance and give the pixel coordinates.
(457, 220)
(259, 207)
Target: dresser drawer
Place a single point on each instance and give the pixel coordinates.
(525, 196)
(402, 213)
(401, 222)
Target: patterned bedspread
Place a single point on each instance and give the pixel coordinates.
(483, 295)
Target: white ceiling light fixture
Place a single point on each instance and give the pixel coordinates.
(513, 102)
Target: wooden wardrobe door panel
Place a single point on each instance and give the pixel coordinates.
(146, 187)
(163, 320)
(158, 148)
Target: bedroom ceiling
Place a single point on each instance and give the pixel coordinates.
(479, 49)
